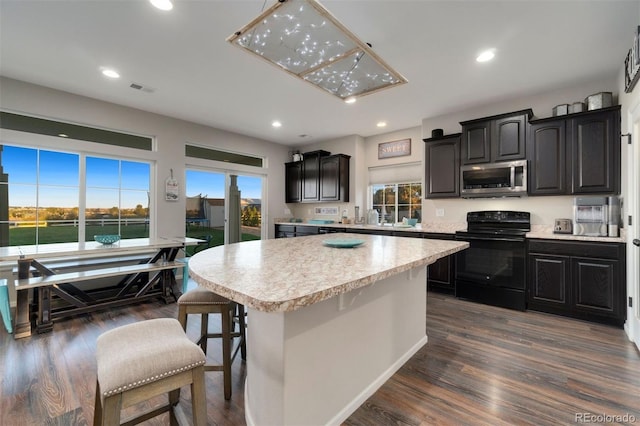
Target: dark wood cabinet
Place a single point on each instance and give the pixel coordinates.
(441, 273)
(293, 182)
(319, 177)
(476, 142)
(290, 231)
(575, 154)
(584, 280)
(494, 139)
(311, 175)
(596, 152)
(549, 280)
(547, 148)
(508, 139)
(442, 166)
(334, 178)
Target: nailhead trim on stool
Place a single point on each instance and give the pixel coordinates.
(133, 357)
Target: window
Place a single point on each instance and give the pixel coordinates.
(52, 197)
(395, 201)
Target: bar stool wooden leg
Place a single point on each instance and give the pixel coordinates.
(226, 352)
(204, 330)
(198, 399)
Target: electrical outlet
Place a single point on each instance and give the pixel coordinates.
(287, 211)
(440, 212)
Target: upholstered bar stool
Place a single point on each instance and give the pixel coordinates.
(139, 361)
(204, 302)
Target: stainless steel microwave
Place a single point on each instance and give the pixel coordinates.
(507, 179)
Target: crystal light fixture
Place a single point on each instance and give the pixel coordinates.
(304, 39)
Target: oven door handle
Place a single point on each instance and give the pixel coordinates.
(506, 239)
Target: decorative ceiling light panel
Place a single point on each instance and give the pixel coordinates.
(304, 39)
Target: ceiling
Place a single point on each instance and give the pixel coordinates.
(193, 74)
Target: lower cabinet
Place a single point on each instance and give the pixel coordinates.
(441, 274)
(584, 280)
(288, 231)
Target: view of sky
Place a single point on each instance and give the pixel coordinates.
(212, 185)
(58, 175)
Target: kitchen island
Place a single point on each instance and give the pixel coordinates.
(327, 326)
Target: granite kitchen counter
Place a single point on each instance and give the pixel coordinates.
(537, 231)
(545, 232)
(330, 308)
(436, 228)
(282, 275)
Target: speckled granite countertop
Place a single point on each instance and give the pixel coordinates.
(537, 231)
(438, 228)
(284, 274)
(546, 232)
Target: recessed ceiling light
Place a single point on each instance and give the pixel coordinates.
(486, 56)
(381, 124)
(276, 124)
(111, 73)
(63, 135)
(350, 100)
(162, 4)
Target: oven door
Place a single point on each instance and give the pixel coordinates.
(492, 261)
(492, 270)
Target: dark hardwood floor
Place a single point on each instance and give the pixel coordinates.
(482, 366)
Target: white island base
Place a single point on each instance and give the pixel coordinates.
(318, 364)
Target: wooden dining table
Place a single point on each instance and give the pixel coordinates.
(144, 268)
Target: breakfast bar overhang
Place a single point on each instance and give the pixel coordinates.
(327, 326)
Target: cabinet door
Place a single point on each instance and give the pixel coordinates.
(547, 148)
(285, 231)
(440, 274)
(476, 145)
(334, 178)
(549, 281)
(595, 289)
(442, 164)
(596, 153)
(293, 182)
(302, 230)
(508, 137)
(311, 180)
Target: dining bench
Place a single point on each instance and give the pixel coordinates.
(139, 282)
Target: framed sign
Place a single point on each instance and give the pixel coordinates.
(393, 149)
(632, 64)
(172, 190)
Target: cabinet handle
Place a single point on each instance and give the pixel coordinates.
(636, 242)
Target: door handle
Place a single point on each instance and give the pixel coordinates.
(636, 242)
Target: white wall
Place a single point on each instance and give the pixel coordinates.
(170, 134)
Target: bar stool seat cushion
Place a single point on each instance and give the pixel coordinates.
(144, 352)
(202, 296)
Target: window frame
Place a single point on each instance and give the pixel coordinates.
(86, 149)
(375, 186)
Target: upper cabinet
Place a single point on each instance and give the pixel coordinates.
(311, 175)
(442, 166)
(547, 148)
(334, 178)
(293, 182)
(319, 177)
(497, 138)
(595, 154)
(575, 154)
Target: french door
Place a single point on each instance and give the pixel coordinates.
(209, 194)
